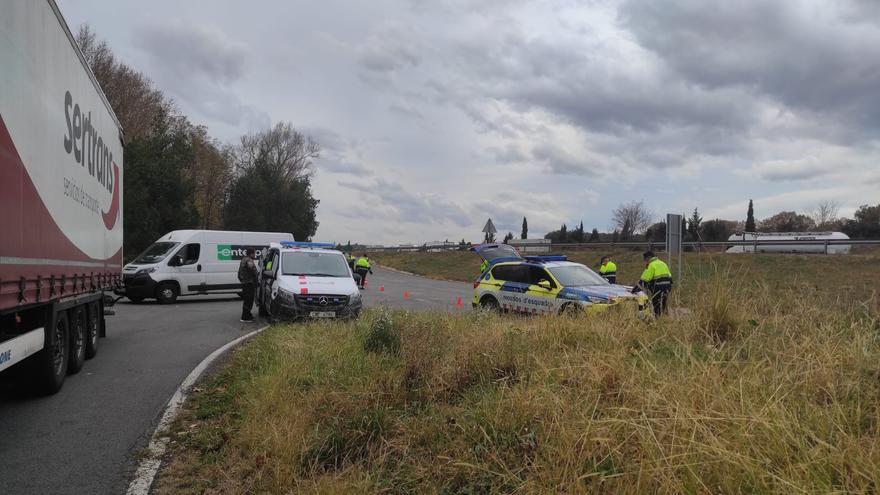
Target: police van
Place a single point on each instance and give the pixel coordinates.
(192, 262)
(302, 280)
(545, 285)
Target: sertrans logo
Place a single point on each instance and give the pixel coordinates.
(90, 150)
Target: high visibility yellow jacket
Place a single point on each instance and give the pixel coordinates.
(608, 268)
(657, 274)
(363, 261)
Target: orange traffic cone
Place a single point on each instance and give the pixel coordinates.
(458, 302)
(405, 294)
(381, 288)
(366, 283)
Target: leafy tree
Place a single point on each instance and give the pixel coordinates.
(865, 224)
(750, 218)
(656, 232)
(508, 237)
(693, 227)
(594, 236)
(525, 229)
(615, 236)
(158, 195)
(788, 221)
(717, 230)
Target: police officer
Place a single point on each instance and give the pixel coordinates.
(362, 267)
(657, 281)
(351, 261)
(247, 275)
(608, 270)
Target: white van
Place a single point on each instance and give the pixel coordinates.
(191, 262)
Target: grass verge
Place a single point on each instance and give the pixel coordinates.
(756, 390)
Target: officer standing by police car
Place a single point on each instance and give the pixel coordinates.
(248, 276)
(362, 267)
(657, 281)
(608, 270)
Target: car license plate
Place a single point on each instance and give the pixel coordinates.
(323, 314)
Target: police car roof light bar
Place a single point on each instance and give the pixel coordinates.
(308, 244)
(547, 258)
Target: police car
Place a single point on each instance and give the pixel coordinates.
(545, 284)
(306, 280)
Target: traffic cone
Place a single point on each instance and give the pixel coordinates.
(366, 283)
(406, 294)
(458, 302)
(381, 288)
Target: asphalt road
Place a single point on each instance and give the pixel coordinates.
(86, 438)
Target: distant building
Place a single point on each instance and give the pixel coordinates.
(531, 246)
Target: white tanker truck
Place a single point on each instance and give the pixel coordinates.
(814, 242)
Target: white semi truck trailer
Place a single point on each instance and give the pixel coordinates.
(61, 179)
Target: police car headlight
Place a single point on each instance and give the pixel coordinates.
(355, 297)
(595, 300)
(145, 270)
(287, 296)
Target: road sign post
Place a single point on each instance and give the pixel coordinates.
(673, 241)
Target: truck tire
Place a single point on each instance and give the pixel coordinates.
(93, 329)
(167, 292)
(50, 364)
(76, 318)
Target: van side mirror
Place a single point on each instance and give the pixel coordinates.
(177, 260)
(544, 285)
(268, 274)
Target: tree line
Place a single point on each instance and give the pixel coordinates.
(634, 221)
(177, 176)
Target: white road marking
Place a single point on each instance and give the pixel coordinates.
(149, 465)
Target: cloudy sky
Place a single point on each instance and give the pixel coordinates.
(434, 115)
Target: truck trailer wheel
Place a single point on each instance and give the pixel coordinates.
(93, 329)
(77, 331)
(167, 293)
(50, 364)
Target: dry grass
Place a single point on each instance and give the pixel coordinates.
(760, 388)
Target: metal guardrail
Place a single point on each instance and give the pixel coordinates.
(658, 245)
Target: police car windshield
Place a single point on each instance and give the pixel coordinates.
(156, 253)
(576, 275)
(314, 264)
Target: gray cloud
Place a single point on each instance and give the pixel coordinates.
(399, 202)
(338, 167)
(186, 49)
(808, 57)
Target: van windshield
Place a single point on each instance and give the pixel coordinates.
(155, 253)
(314, 264)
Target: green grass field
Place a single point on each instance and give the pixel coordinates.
(770, 384)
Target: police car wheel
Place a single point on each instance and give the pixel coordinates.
(569, 310)
(489, 303)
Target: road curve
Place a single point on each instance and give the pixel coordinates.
(86, 438)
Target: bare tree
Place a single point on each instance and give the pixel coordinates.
(211, 175)
(285, 152)
(825, 214)
(631, 218)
